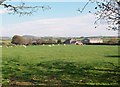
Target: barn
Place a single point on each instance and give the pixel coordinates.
(73, 41)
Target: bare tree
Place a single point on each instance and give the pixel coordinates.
(21, 9)
(107, 10)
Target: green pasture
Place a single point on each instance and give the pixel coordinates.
(6, 41)
(60, 65)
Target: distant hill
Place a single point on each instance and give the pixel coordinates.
(5, 38)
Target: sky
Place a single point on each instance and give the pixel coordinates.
(61, 20)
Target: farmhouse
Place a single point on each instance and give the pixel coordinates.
(92, 40)
(73, 41)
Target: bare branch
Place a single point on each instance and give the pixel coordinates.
(108, 10)
(22, 9)
(83, 7)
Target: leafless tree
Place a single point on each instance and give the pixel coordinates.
(107, 10)
(21, 9)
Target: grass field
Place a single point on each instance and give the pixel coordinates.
(61, 65)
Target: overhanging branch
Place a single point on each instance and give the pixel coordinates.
(108, 10)
(22, 9)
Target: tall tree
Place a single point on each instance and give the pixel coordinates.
(19, 40)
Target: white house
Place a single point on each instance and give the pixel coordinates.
(96, 40)
(92, 40)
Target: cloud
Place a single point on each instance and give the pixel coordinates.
(74, 26)
(4, 10)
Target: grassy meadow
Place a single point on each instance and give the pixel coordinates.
(61, 65)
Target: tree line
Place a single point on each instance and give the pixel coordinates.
(20, 40)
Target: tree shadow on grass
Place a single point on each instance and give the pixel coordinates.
(113, 56)
(60, 73)
(62, 86)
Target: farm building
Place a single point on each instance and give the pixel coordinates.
(68, 41)
(73, 41)
(78, 42)
(92, 40)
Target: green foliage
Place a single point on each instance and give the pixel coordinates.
(61, 65)
(59, 41)
(113, 41)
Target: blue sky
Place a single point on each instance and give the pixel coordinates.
(58, 21)
(58, 10)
